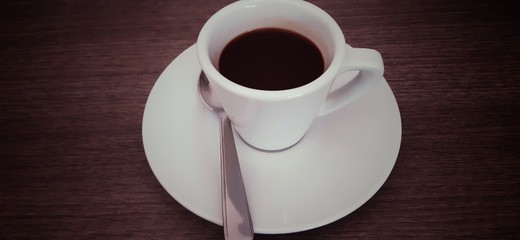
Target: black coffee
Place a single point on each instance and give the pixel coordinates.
(271, 59)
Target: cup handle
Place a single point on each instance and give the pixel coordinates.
(369, 63)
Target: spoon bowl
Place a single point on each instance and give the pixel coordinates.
(207, 95)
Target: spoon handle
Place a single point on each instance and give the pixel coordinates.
(235, 210)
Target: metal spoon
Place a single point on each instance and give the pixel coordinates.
(236, 217)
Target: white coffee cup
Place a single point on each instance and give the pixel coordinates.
(274, 120)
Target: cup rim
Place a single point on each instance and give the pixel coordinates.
(269, 95)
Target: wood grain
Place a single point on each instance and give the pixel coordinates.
(75, 76)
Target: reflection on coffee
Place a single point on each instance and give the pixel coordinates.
(271, 59)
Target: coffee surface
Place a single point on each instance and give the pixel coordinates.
(271, 59)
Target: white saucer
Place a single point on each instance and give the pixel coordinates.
(341, 162)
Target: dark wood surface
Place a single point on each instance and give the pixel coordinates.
(75, 77)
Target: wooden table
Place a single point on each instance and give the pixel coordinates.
(75, 77)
